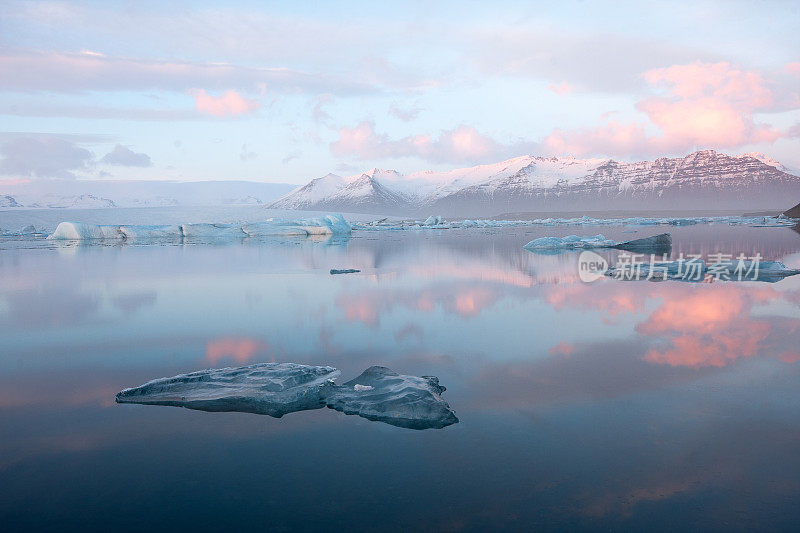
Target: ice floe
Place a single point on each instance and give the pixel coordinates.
(276, 389)
(661, 243)
(150, 232)
(383, 395)
(569, 242)
(273, 389)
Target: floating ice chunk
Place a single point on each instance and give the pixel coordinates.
(214, 231)
(569, 242)
(273, 389)
(657, 244)
(273, 228)
(276, 389)
(81, 231)
(774, 222)
(433, 221)
(145, 232)
(384, 395)
(336, 224)
(25, 231)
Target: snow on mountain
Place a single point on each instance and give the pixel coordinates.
(8, 201)
(81, 201)
(701, 180)
(143, 193)
(767, 161)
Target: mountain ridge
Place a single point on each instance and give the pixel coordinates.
(527, 183)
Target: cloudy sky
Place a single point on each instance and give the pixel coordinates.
(288, 91)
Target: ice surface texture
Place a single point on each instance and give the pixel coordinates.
(325, 225)
(385, 396)
(272, 389)
(569, 242)
(657, 244)
(275, 389)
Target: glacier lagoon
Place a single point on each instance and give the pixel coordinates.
(596, 405)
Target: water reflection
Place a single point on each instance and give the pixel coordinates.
(603, 405)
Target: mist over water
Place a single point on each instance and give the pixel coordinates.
(581, 405)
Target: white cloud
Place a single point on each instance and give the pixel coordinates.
(125, 157)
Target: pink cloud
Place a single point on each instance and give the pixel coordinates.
(563, 348)
(711, 326)
(227, 104)
(561, 88)
(697, 105)
(792, 68)
(464, 144)
(693, 325)
(790, 357)
(29, 70)
(240, 350)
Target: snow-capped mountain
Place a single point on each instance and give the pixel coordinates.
(8, 201)
(91, 194)
(700, 181)
(80, 201)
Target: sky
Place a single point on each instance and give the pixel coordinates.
(289, 91)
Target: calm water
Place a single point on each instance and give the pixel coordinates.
(611, 405)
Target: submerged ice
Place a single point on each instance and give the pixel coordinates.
(276, 389)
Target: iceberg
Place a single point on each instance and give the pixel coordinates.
(383, 395)
(211, 231)
(81, 231)
(145, 232)
(656, 244)
(569, 242)
(325, 225)
(275, 389)
(271, 229)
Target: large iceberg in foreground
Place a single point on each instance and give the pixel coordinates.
(325, 225)
(657, 244)
(272, 389)
(276, 389)
(384, 395)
